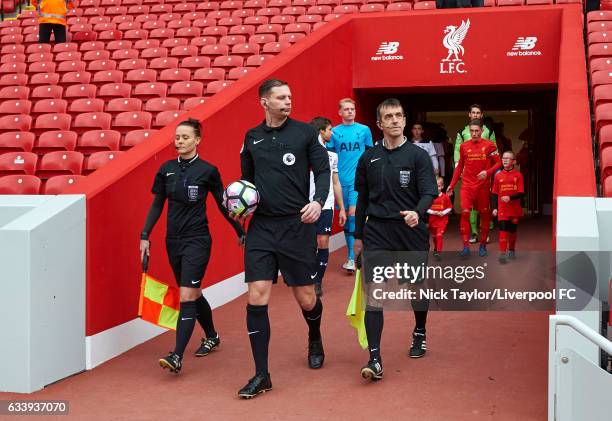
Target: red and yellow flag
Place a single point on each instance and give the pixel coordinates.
(159, 303)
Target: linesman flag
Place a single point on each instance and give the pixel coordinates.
(356, 313)
(159, 302)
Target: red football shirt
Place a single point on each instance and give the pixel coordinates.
(507, 183)
(474, 157)
(440, 203)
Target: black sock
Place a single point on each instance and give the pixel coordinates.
(374, 321)
(420, 317)
(323, 257)
(313, 320)
(258, 326)
(205, 317)
(184, 325)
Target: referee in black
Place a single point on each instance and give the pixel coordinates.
(396, 185)
(185, 182)
(277, 157)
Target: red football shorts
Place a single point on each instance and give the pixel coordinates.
(477, 199)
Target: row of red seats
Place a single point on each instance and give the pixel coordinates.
(223, 5)
(87, 142)
(54, 163)
(30, 184)
(600, 69)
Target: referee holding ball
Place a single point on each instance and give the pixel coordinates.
(396, 185)
(185, 182)
(277, 156)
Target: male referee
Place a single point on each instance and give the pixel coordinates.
(396, 185)
(277, 157)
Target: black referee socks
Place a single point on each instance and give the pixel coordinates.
(313, 319)
(205, 317)
(374, 321)
(184, 326)
(258, 326)
(323, 257)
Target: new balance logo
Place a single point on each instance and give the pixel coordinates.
(387, 51)
(524, 46)
(525, 43)
(387, 48)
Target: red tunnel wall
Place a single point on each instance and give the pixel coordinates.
(326, 66)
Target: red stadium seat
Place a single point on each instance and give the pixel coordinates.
(102, 27)
(162, 63)
(237, 72)
(601, 77)
(55, 140)
(107, 76)
(399, 7)
(303, 28)
(12, 49)
(254, 4)
(151, 53)
(184, 51)
(12, 39)
(275, 47)
(119, 45)
(215, 31)
(92, 121)
(14, 92)
(193, 102)
(99, 140)
(262, 39)
(294, 11)
(599, 37)
(39, 79)
(269, 29)
(124, 54)
(599, 50)
(155, 105)
(47, 106)
(14, 79)
(231, 5)
(15, 122)
(132, 64)
(68, 56)
(605, 137)
(47, 91)
(247, 30)
(152, 25)
(194, 16)
(143, 44)
(34, 57)
(186, 89)
(215, 50)
(19, 184)
(141, 75)
(59, 183)
(346, 8)
(60, 163)
(115, 90)
(42, 67)
(136, 120)
(134, 137)
(427, 5)
(599, 26)
(73, 78)
(188, 33)
(13, 58)
(52, 121)
(86, 105)
(13, 68)
(194, 63)
(174, 75)
(603, 116)
(85, 90)
(92, 46)
(165, 118)
(374, 7)
(209, 74)
(96, 55)
(139, 10)
(99, 65)
(227, 62)
(257, 60)
(161, 33)
(99, 159)
(290, 38)
(16, 142)
(119, 105)
(599, 15)
(217, 86)
(256, 20)
(245, 50)
(319, 10)
(224, 24)
(231, 40)
(268, 11)
(204, 23)
(71, 66)
(15, 106)
(605, 158)
(178, 24)
(171, 43)
(18, 163)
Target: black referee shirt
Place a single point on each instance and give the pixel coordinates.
(186, 184)
(278, 161)
(392, 180)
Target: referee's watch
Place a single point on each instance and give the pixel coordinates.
(319, 201)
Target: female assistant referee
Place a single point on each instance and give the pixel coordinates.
(185, 182)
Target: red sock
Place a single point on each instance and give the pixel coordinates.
(485, 219)
(512, 240)
(503, 241)
(464, 227)
(432, 232)
(439, 241)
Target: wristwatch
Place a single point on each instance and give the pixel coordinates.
(319, 201)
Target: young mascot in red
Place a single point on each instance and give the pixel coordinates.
(478, 161)
(507, 192)
(438, 217)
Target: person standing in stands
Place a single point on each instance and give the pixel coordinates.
(396, 186)
(324, 223)
(478, 161)
(349, 140)
(475, 113)
(185, 182)
(427, 146)
(52, 18)
(277, 156)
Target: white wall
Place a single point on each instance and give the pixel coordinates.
(42, 279)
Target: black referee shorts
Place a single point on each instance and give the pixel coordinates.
(325, 221)
(394, 235)
(188, 258)
(280, 243)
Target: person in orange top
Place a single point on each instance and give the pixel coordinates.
(508, 189)
(52, 18)
(438, 217)
(478, 161)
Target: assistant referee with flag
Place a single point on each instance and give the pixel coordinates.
(396, 185)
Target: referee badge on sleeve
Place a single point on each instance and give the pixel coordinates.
(192, 193)
(404, 178)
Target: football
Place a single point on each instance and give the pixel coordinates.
(241, 198)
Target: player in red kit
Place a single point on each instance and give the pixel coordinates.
(508, 189)
(478, 161)
(438, 217)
